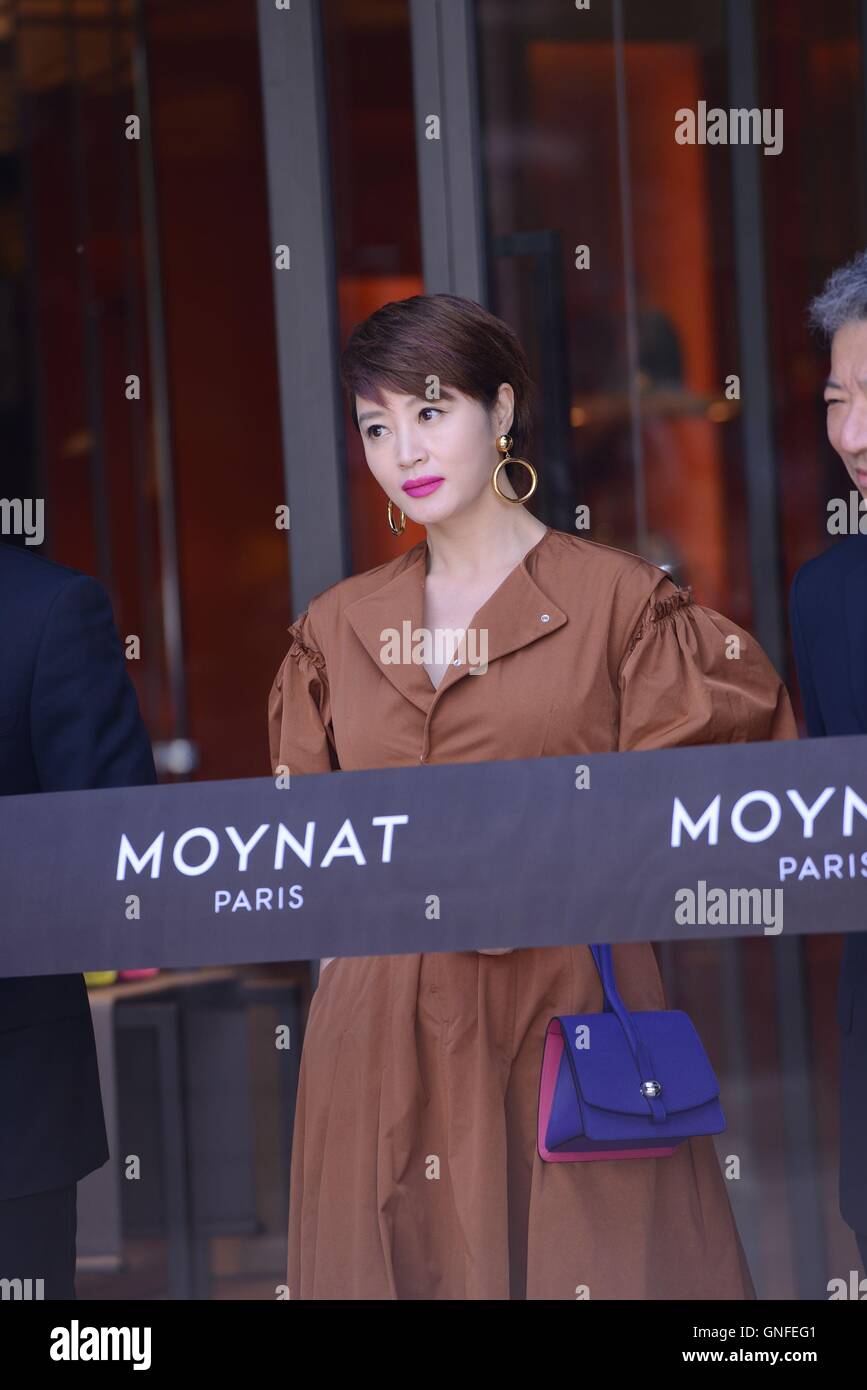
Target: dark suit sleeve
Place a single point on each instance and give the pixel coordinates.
(85, 723)
(815, 722)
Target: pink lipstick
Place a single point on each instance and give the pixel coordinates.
(420, 487)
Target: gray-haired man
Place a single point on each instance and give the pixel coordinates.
(828, 608)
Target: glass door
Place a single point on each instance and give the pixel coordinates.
(660, 286)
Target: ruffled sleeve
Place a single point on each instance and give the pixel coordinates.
(690, 676)
(300, 734)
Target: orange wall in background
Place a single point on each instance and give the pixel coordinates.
(571, 86)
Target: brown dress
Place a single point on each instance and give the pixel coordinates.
(415, 1173)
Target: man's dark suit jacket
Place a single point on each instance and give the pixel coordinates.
(69, 720)
(828, 610)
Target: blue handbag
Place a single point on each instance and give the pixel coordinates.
(618, 1084)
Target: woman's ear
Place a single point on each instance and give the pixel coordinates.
(504, 411)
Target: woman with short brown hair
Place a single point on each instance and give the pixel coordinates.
(415, 1168)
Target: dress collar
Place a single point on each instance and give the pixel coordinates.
(518, 612)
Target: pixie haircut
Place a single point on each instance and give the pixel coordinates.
(403, 344)
(843, 299)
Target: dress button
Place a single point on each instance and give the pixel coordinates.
(545, 617)
(457, 661)
(421, 757)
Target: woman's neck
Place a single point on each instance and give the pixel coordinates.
(467, 549)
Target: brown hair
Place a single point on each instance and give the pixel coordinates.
(442, 335)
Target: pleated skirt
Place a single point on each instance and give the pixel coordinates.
(415, 1172)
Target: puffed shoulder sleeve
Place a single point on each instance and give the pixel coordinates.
(300, 735)
(690, 676)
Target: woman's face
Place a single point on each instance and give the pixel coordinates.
(433, 458)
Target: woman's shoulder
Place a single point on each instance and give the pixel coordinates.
(314, 634)
(619, 584)
(329, 604)
(610, 562)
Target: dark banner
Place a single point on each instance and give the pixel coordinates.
(739, 840)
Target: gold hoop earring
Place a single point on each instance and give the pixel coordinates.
(395, 530)
(504, 444)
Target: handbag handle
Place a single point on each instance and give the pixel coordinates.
(604, 961)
